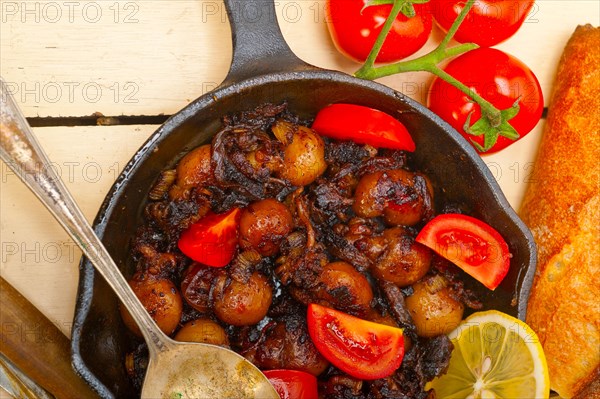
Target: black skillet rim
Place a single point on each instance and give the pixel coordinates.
(87, 271)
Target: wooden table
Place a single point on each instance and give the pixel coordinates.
(74, 59)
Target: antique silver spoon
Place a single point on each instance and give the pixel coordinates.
(176, 369)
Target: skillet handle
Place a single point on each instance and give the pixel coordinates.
(258, 45)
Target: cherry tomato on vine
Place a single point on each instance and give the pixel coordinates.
(355, 28)
(500, 79)
(360, 348)
(293, 384)
(488, 23)
(363, 125)
(469, 243)
(213, 239)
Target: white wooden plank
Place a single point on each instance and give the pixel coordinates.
(121, 57)
(152, 57)
(38, 258)
(513, 166)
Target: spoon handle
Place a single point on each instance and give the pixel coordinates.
(20, 150)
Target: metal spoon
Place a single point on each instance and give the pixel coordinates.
(175, 369)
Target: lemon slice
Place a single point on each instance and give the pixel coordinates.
(495, 356)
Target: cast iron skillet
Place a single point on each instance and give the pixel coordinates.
(263, 70)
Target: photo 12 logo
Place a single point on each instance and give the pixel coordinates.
(90, 172)
(53, 12)
(254, 11)
(71, 92)
(39, 253)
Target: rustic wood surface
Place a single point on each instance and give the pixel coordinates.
(42, 353)
(153, 58)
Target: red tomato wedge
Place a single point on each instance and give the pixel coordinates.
(293, 384)
(213, 239)
(360, 348)
(470, 244)
(363, 125)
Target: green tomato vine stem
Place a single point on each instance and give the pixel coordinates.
(428, 62)
(370, 61)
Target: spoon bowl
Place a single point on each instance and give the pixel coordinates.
(231, 376)
(175, 369)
